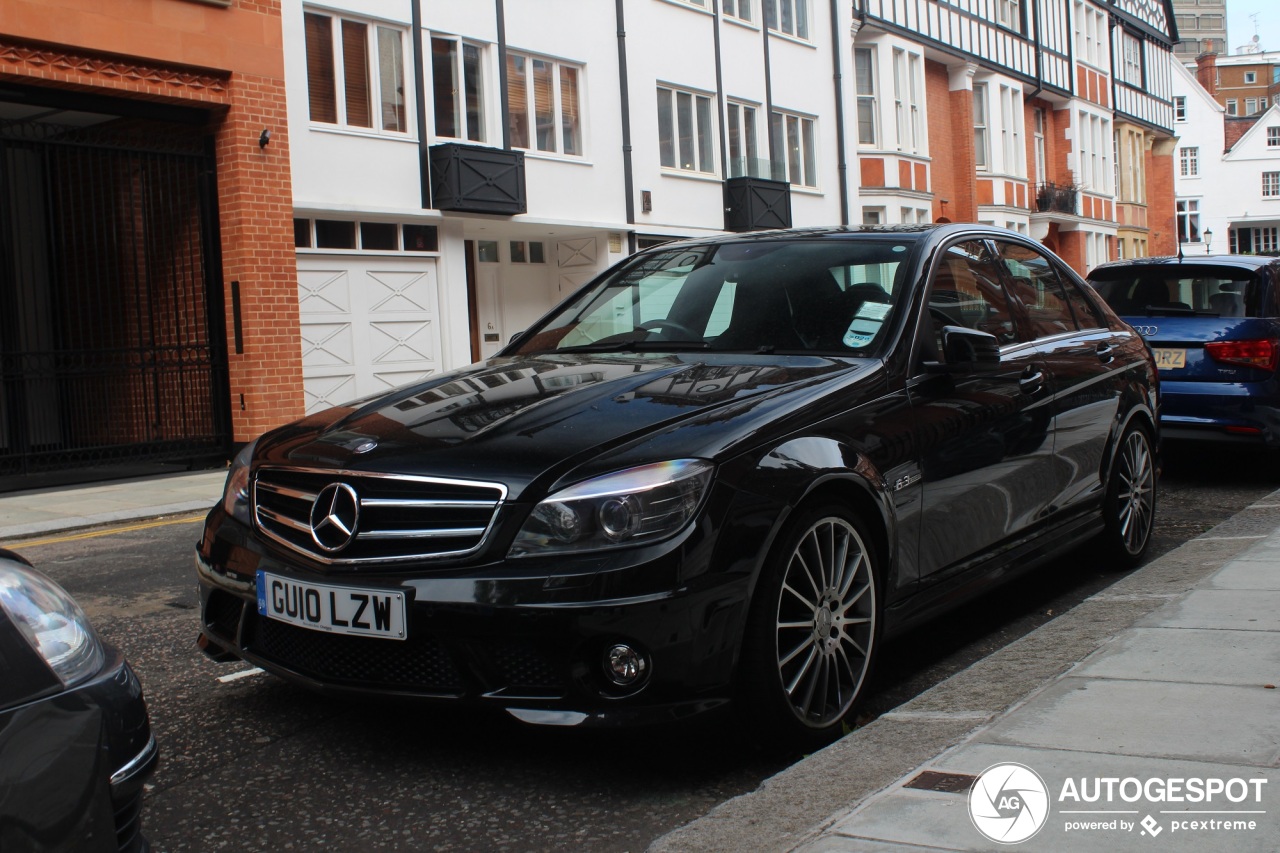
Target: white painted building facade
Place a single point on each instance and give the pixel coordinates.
(1228, 199)
(382, 306)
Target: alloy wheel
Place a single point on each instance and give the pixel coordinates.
(1135, 494)
(825, 622)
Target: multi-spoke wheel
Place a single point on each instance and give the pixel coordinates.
(1131, 497)
(815, 626)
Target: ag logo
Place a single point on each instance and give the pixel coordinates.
(1009, 803)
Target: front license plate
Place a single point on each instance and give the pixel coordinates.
(1170, 359)
(336, 609)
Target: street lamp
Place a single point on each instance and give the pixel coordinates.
(1208, 239)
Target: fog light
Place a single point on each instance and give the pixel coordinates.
(624, 665)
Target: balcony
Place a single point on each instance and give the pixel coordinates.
(1052, 198)
(476, 179)
(756, 204)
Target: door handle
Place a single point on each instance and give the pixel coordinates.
(1104, 352)
(1032, 381)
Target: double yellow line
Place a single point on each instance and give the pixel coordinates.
(109, 531)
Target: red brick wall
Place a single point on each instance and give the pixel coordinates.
(1162, 212)
(231, 61)
(951, 142)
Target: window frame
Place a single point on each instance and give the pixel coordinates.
(734, 9)
(775, 19)
(560, 122)
(1179, 107)
(1189, 161)
(460, 94)
(1187, 211)
(1273, 137)
(1131, 59)
(867, 101)
(702, 138)
(981, 128)
(1271, 184)
(806, 161)
(341, 82)
(743, 143)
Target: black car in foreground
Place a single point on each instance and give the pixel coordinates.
(75, 741)
(724, 471)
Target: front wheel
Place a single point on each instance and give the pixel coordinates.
(1130, 505)
(814, 629)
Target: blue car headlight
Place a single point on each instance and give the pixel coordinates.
(235, 494)
(625, 508)
(51, 622)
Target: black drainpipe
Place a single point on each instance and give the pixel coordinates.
(842, 167)
(628, 179)
(420, 92)
(502, 74)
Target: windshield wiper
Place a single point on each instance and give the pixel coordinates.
(636, 346)
(1178, 311)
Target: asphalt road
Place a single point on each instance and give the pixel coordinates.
(249, 763)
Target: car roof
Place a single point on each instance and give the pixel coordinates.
(1247, 261)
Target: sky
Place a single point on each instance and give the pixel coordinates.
(1240, 26)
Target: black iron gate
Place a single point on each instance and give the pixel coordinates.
(112, 346)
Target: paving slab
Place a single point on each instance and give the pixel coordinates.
(1243, 658)
(1225, 609)
(1151, 718)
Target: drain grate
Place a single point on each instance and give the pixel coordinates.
(947, 783)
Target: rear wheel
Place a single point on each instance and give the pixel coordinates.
(1130, 505)
(814, 629)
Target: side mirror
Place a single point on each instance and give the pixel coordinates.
(966, 350)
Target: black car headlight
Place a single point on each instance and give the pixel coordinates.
(51, 622)
(631, 507)
(235, 494)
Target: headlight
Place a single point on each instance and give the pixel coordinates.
(51, 622)
(235, 495)
(631, 507)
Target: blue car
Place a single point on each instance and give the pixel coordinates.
(1213, 323)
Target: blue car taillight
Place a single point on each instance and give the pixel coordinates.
(1264, 354)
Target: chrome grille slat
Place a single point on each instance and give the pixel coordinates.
(271, 515)
(412, 504)
(422, 534)
(401, 517)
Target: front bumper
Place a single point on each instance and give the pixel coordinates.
(526, 636)
(72, 766)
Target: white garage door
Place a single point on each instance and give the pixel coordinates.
(368, 325)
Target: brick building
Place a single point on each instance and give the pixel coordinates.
(148, 287)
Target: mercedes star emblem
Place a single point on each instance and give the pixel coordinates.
(334, 516)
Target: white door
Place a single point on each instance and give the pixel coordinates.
(369, 324)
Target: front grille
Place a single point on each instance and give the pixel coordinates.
(521, 668)
(400, 517)
(418, 664)
(129, 824)
(222, 615)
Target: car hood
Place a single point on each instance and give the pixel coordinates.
(513, 419)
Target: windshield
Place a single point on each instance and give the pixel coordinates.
(833, 296)
(1174, 289)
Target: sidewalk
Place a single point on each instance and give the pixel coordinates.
(1166, 678)
(24, 515)
(1168, 675)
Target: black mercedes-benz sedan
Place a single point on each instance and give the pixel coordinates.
(722, 472)
(75, 740)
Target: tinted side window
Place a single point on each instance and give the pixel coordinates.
(966, 291)
(1087, 316)
(1036, 283)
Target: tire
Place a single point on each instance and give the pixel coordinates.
(1130, 505)
(814, 630)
